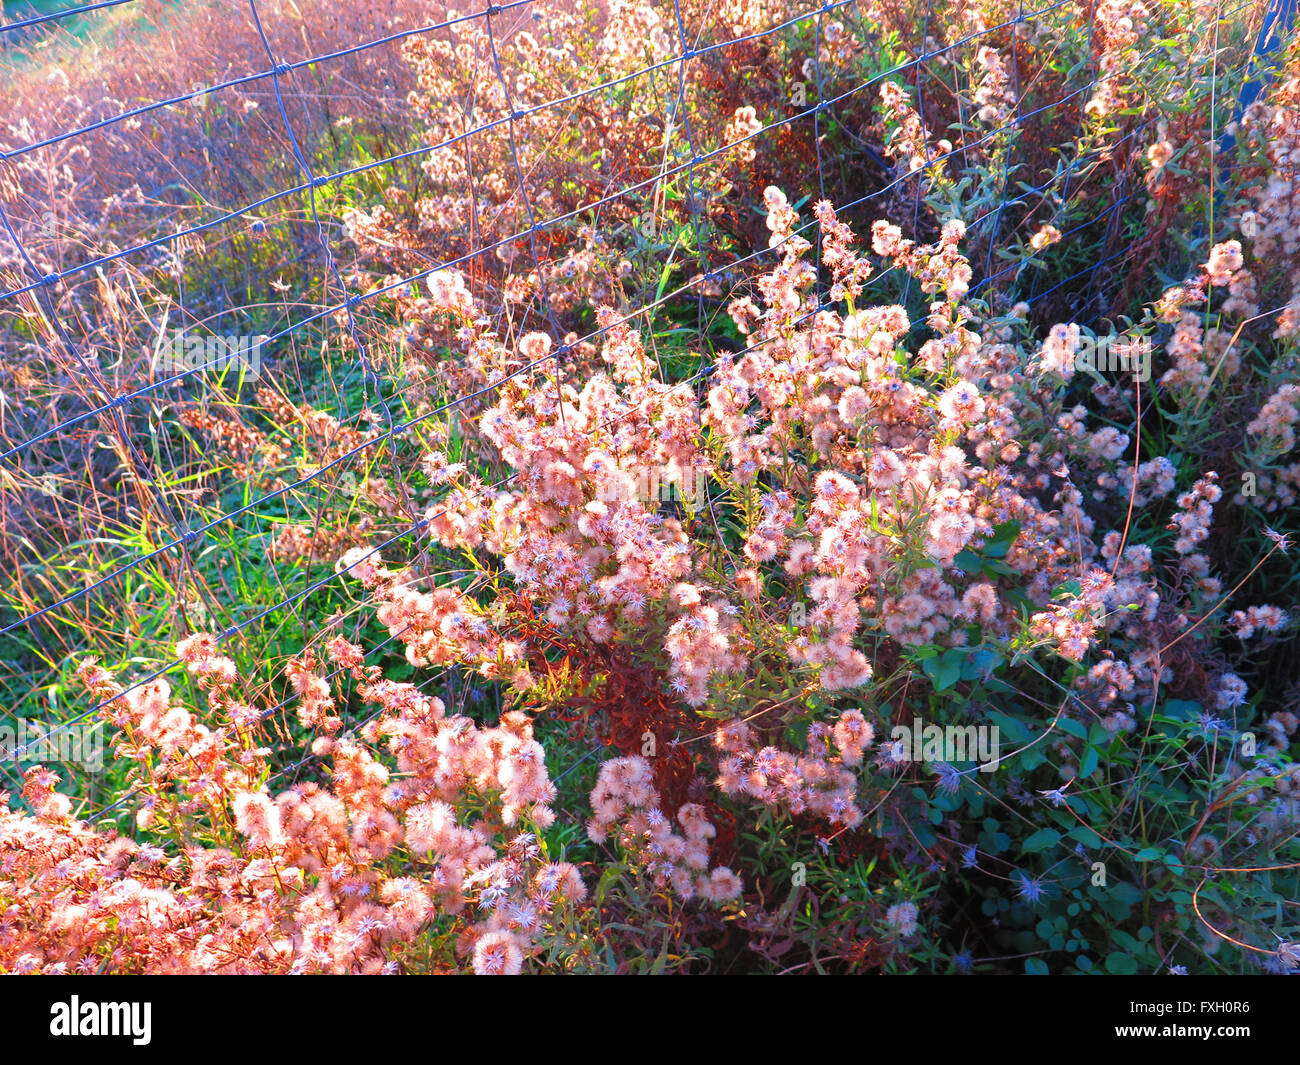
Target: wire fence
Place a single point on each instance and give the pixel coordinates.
(53, 299)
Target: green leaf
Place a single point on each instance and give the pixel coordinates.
(1074, 728)
(1088, 764)
(980, 663)
(1180, 709)
(1040, 841)
(945, 670)
(1013, 728)
(1004, 536)
(1120, 964)
(1036, 967)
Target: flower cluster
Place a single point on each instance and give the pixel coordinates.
(313, 883)
(1118, 26)
(817, 783)
(1195, 512)
(1257, 619)
(1274, 424)
(625, 796)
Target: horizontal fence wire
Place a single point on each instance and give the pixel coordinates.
(55, 16)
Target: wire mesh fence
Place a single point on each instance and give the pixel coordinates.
(255, 258)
